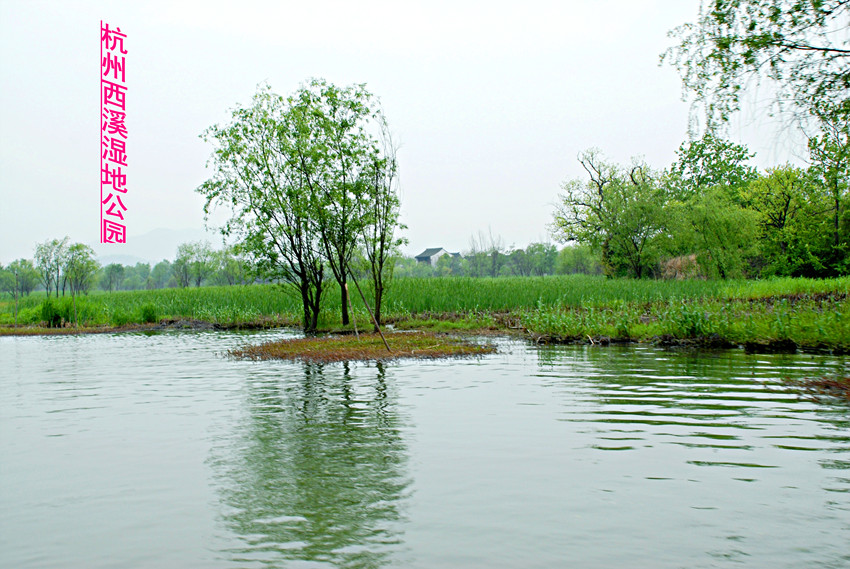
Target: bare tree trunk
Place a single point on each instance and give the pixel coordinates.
(309, 321)
(379, 293)
(345, 300)
(16, 299)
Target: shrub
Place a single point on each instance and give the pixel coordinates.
(149, 313)
(691, 321)
(30, 315)
(119, 317)
(50, 313)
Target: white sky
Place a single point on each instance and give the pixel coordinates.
(491, 102)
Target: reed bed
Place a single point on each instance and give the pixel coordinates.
(808, 312)
(820, 321)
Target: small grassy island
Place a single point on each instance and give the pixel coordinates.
(366, 347)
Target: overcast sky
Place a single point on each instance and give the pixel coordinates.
(490, 101)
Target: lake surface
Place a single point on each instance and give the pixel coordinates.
(157, 450)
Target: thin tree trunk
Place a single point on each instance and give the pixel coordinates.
(379, 293)
(305, 303)
(345, 301)
(378, 328)
(353, 320)
(836, 217)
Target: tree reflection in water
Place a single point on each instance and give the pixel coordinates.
(317, 470)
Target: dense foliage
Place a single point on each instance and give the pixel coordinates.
(710, 214)
(309, 180)
(256, 302)
(792, 312)
(802, 48)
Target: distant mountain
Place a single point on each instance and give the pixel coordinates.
(152, 247)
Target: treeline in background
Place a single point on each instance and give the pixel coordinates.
(199, 264)
(710, 215)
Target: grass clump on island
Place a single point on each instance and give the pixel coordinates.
(368, 347)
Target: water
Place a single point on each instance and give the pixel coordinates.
(159, 451)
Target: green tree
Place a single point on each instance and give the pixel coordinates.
(161, 273)
(486, 254)
(49, 260)
(709, 162)
(477, 262)
(143, 271)
(202, 261)
(578, 259)
(9, 283)
(542, 258)
(25, 274)
(519, 263)
(800, 47)
(446, 266)
(721, 233)
(349, 171)
(181, 270)
(113, 276)
(132, 281)
(379, 213)
(195, 262)
(408, 267)
(830, 157)
(794, 222)
(259, 176)
(231, 267)
(619, 211)
(80, 268)
(707, 212)
(19, 278)
(310, 180)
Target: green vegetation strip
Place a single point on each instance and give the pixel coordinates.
(809, 322)
(785, 314)
(245, 304)
(367, 347)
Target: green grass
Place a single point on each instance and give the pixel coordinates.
(226, 305)
(462, 294)
(810, 323)
(367, 347)
(561, 308)
(450, 322)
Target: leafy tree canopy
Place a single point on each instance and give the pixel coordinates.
(303, 177)
(801, 47)
(709, 162)
(616, 210)
(80, 267)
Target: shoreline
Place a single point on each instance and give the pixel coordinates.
(505, 324)
(780, 315)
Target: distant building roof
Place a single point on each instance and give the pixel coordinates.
(431, 255)
(428, 253)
